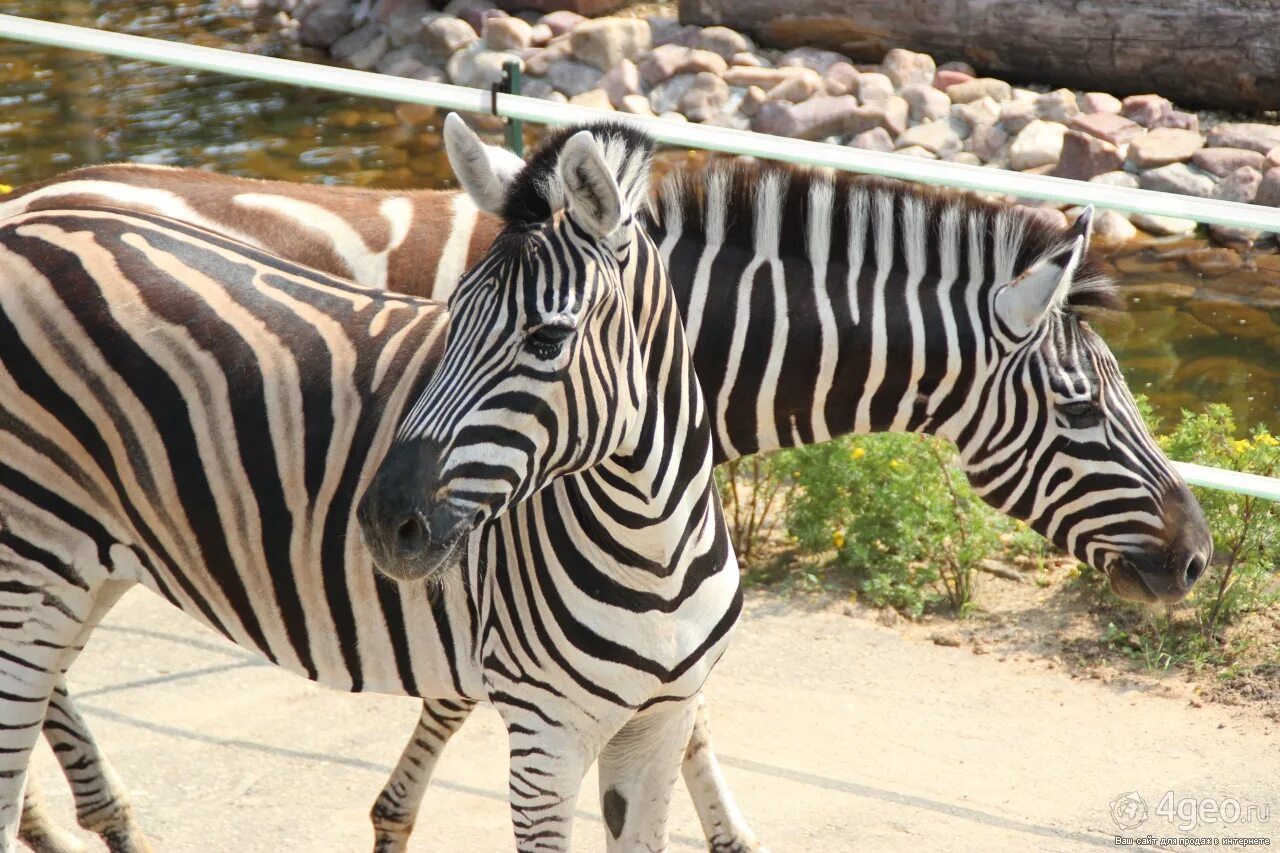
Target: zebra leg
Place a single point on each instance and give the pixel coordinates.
(397, 806)
(42, 620)
(638, 771)
(102, 804)
(39, 831)
(722, 821)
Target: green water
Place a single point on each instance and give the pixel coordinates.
(1190, 336)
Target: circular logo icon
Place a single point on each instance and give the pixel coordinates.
(1129, 810)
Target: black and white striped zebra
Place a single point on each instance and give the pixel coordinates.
(778, 273)
(608, 593)
(188, 414)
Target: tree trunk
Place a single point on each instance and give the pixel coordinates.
(1222, 54)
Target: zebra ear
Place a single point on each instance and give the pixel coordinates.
(1023, 303)
(484, 171)
(594, 198)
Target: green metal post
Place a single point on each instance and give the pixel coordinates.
(513, 79)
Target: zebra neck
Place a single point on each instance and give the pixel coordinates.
(798, 347)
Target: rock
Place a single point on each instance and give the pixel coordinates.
(1163, 146)
(573, 77)
(1241, 185)
(723, 41)
(635, 105)
(810, 57)
(671, 31)
(748, 58)
(620, 81)
(405, 61)
(507, 34)
(816, 118)
(444, 35)
(841, 79)
(361, 48)
(765, 78)
(540, 34)
(971, 90)
(875, 139)
(538, 87)
(668, 60)
(1084, 157)
(402, 21)
(752, 101)
(983, 111)
(950, 77)
(480, 68)
(1059, 105)
(1111, 230)
(1232, 319)
(904, 67)
(665, 97)
(589, 8)
(890, 115)
(1273, 157)
(561, 22)
(987, 142)
(874, 87)
(1116, 179)
(1269, 189)
(957, 65)
(1145, 109)
(1164, 226)
(1177, 178)
(1051, 216)
(1100, 102)
(538, 62)
(1242, 239)
(926, 102)
(941, 137)
(964, 157)
(1108, 127)
(797, 88)
(1179, 120)
(1255, 137)
(705, 98)
(1015, 115)
(604, 42)
(1223, 161)
(322, 22)
(473, 12)
(1038, 144)
(596, 99)
(918, 151)
(673, 116)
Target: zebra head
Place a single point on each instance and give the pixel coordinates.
(1054, 437)
(543, 374)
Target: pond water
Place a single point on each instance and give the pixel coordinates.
(1203, 325)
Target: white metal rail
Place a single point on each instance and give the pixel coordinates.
(368, 84)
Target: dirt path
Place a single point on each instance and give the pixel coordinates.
(837, 734)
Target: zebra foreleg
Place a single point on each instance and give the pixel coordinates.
(638, 771)
(722, 821)
(39, 831)
(397, 806)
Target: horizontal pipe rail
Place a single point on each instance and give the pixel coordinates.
(687, 135)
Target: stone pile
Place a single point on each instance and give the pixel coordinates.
(907, 104)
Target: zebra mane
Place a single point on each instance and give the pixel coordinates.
(537, 192)
(724, 200)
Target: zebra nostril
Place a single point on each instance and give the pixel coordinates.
(1195, 568)
(411, 534)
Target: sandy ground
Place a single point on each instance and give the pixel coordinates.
(837, 734)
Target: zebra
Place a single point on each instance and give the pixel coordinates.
(827, 261)
(610, 592)
(187, 413)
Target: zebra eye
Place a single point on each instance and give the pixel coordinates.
(1083, 412)
(545, 341)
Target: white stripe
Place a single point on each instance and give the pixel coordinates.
(453, 259)
(768, 234)
(821, 203)
(914, 229)
(882, 224)
(715, 205)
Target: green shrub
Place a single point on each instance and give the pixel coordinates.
(750, 489)
(898, 513)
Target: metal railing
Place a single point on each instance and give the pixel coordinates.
(728, 140)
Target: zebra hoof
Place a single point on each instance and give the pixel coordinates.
(51, 839)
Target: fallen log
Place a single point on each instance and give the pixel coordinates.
(1221, 54)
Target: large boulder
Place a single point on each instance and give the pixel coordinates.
(604, 42)
(322, 22)
(1039, 144)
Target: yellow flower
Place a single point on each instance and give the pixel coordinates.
(1242, 445)
(1267, 440)
(895, 464)
(5, 188)
(857, 453)
(837, 539)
